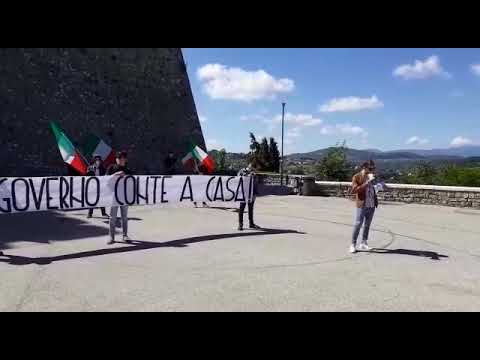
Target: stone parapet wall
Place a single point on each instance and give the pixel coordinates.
(420, 194)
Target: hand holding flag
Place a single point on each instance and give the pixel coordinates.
(196, 153)
(68, 151)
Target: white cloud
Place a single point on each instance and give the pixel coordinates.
(213, 144)
(460, 141)
(351, 103)
(415, 140)
(343, 129)
(475, 69)
(232, 83)
(255, 117)
(297, 119)
(294, 133)
(202, 118)
(430, 67)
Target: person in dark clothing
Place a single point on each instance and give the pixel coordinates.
(248, 171)
(201, 170)
(119, 169)
(170, 162)
(96, 169)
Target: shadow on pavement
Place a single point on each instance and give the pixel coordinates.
(139, 246)
(430, 254)
(119, 221)
(391, 203)
(45, 227)
(224, 208)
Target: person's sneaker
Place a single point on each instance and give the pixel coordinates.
(364, 247)
(253, 226)
(205, 205)
(111, 242)
(240, 227)
(353, 250)
(127, 239)
(89, 216)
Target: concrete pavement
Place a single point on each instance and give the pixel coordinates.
(427, 258)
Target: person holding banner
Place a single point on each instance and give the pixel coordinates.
(119, 169)
(200, 170)
(96, 169)
(248, 171)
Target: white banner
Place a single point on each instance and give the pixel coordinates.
(78, 192)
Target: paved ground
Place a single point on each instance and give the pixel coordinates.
(428, 259)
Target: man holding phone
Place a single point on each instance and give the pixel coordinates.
(366, 203)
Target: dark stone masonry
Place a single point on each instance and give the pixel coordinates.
(138, 99)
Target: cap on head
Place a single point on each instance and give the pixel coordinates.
(97, 157)
(122, 154)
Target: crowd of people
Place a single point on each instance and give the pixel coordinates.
(120, 168)
(363, 189)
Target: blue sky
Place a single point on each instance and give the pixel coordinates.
(373, 98)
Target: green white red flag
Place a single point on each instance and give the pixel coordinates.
(96, 146)
(68, 151)
(197, 154)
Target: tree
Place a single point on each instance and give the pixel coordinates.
(423, 173)
(334, 166)
(220, 161)
(264, 158)
(254, 150)
(296, 170)
(452, 175)
(274, 155)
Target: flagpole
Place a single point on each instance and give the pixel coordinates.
(281, 161)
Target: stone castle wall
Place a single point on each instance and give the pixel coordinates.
(137, 99)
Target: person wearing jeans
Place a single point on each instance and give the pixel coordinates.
(119, 169)
(200, 170)
(113, 223)
(366, 203)
(248, 171)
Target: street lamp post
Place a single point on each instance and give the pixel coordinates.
(283, 126)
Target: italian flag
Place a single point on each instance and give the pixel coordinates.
(197, 154)
(96, 146)
(69, 153)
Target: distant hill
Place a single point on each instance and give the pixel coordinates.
(461, 151)
(356, 155)
(455, 153)
(397, 159)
